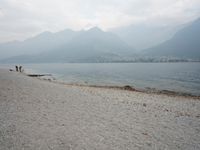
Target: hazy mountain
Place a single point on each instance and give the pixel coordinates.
(145, 36)
(95, 45)
(45, 41)
(92, 43)
(185, 43)
(84, 47)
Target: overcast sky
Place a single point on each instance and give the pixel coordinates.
(23, 18)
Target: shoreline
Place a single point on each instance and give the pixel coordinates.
(132, 89)
(161, 84)
(147, 90)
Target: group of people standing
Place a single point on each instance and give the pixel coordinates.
(18, 68)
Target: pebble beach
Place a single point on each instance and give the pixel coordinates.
(40, 114)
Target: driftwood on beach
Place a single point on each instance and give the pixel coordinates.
(38, 75)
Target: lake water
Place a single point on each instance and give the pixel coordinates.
(179, 77)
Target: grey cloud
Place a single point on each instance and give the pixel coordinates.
(28, 17)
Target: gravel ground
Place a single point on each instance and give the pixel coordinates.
(37, 114)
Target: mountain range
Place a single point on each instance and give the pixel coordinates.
(144, 36)
(45, 41)
(185, 44)
(80, 46)
(95, 45)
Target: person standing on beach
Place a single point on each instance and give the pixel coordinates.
(16, 68)
(20, 68)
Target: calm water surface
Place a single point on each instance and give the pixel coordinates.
(180, 77)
